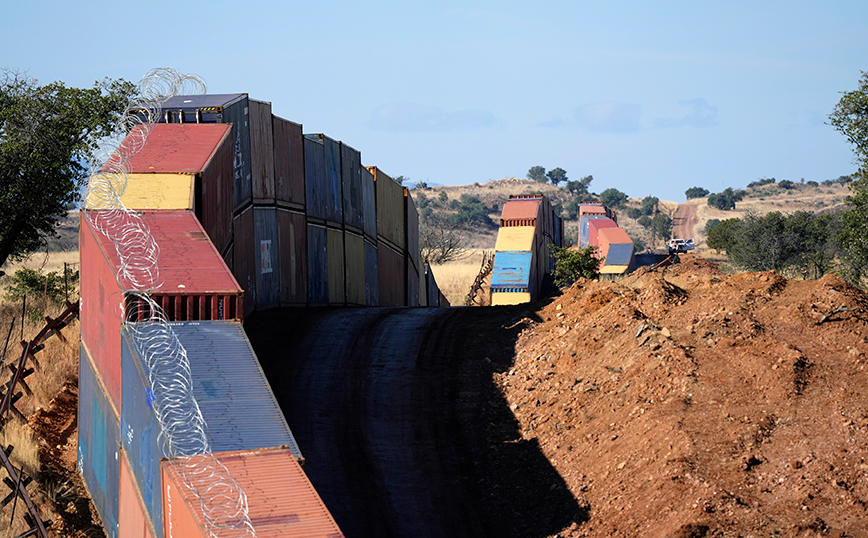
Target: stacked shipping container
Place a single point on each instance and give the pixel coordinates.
(598, 227)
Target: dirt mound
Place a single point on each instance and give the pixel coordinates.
(682, 402)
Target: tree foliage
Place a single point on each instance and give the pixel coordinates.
(726, 199)
(46, 133)
(612, 197)
(661, 225)
(557, 175)
(537, 173)
(649, 204)
(696, 192)
(572, 264)
(580, 186)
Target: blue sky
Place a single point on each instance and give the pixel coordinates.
(649, 98)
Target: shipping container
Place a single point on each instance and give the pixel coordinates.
(391, 222)
(133, 521)
(292, 235)
(281, 501)
(317, 264)
(412, 227)
(520, 212)
(594, 227)
(229, 258)
(158, 191)
(204, 151)
(244, 265)
(315, 185)
(98, 443)
(353, 189)
(372, 275)
(390, 266)
(266, 254)
(412, 297)
(288, 163)
(516, 238)
(335, 200)
(584, 221)
(369, 204)
(616, 247)
(229, 388)
(354, 247)
(513, 270)
(261, 152)
(433, 289)
(423, 285)
(594, 208)
(336, 266)
(500, 297)
(196, 285)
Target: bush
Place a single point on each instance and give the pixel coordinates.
(710, 225)
(696, 192)
(634, 212)
(570, 265)
(35, 284)
(613, 197)
(726, 200)
(644, 221)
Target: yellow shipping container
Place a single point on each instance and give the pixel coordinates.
(515, 238)
(159, 191)
(499, 298)
(614, 269)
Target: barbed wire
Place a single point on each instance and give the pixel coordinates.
(183, 434)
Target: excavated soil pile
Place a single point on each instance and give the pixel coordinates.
(682, 402)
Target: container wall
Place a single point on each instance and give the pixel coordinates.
(372, 275)
(369, 204)
(519, 209)
(334, 189)
(179, 306)
(336, 267)
(423, 284)
(317, 264)
(288, 163)
(292, 236)
(238, 114)
(500, 298)
(215, 200)
(584, 222)
(261, 151)
(315, 186)
(158, 191)
(354, 246)
(594, 227)
(412, 227)
(245, 251)
(390, 210)
(412, 297)
(267, 257)
(515, 238)
(98, 442)
(133, 520)
(281, 500)
(229, 257)
(353, 188)
(390, 266)
(512, 270)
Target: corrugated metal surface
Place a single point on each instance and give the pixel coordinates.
(261, 151)
(292, 235)
(372, 275)
(515, 238)
(315, 186)
(317, 264)
(267, 257)
(215, 201)
(424, 278)
(230, 389)
(281, 500)
(390, 210)
(352, 187)
(592, 209)
(412, 296)
(390, 266)
(238, 114)
(133, 521)
(98, 442)
(100, 309)
(229, 257)
(334, 189)
(614, 269)
(509, 298)
(520, 210)
(369, 204)
(583, 228)
(158, 191)
(245, 256)
(288, 163)
(594, 227)
(336, 264)
(354, 246)
(412, 225)
(512, 270)
(616, 247)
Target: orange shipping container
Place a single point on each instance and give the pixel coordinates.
(281, 500)
(133, 522)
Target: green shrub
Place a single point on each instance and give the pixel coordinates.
(570, 265)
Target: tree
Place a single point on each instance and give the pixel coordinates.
(558, 175)
(649, 203)
(46, 134)
(661, 225)
(696, 192)
(850, 117)
(402, 179)
(537, 173)
(726, 199)
(613, 197)
(724, 235)
(580, 186)
(572, 264)
(442, 240)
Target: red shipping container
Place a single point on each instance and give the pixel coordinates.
(288, 163)
(520, 212)
(281, 501)
(196, 285)
(201, 149)
(133, 521)
(594, 228)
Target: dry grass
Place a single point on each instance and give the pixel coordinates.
(455, 278)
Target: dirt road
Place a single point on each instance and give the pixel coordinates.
(684, 221)
(403, 431)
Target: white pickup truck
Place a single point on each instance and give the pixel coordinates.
(680, 245)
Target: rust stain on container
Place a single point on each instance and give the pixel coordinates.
(288, 163)
(261, 151)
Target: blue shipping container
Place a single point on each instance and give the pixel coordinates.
(267, 266)
(369, 204)
(372, 274)
(98, 444)
(315, 188)
(234, 397)
(512, 270)
(619, 254)
(317, 264)
(583, 228)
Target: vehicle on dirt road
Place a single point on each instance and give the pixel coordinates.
(680, 245)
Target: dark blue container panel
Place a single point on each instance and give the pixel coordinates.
(315, 186)
(98, 444)
(369, 204)
(267, 266)
(317, 264)
(512, 270)
(351, 183)
(583, 228)
(372, 275)
(619, 254)
(335, 199)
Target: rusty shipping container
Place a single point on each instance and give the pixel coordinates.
(372, 275)
(288, 163)
(391, 220)
(226, 109)
(317, 264)
(133, 521)
(412, 230)
(266, 253)
(281, 501)
(261, 152)
(292, 250)
(336, 266)
(196, 285)
(369, 204)
(353, 189)
(98, 443)
(520, 212)
(245, 260)
(393, 274)
(354, 249)
(315, 185)
(204, 151)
